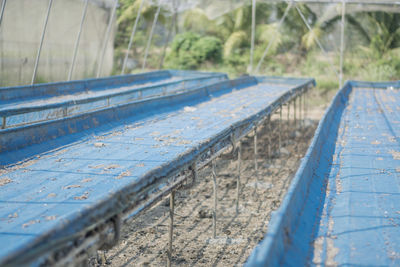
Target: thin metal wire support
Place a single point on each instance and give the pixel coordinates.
(171, 226)
(78, 38)
(238, 175)
(214, 176)
(280, 130)
(106, 38)
(342, 43)
(131, 37)
(288, 120)
(300, 119)
(256, 158)
(171, 28)
(269, 137)
(294, 109)
(317, 40)
(41, 42)
(151, 35)
(253, 29)
(272, 40)
(3, 6)
(306, 104)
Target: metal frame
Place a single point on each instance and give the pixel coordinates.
(41, 42)
(131, 205)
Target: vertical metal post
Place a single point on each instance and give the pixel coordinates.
(306, 104)
(253, 27)
(3, 122)
(238, 176)
(171, 226)
(342, 43)
(280, 130)
(151, 35)
(71, 69)
(132, 36)
(288, 120)
(3, 6)
(41, 42)
(300, 109)
(214, 176)
(255, 152)
(294, 108)
(106, 38)
(269, 137)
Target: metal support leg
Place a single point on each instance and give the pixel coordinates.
(269, 137)
(238, 176)
(171, 226)
(214, 175)
(71, 68)
(255, 154)
(288, 120)
(300, 119)
(306, 105)
(294, 108)
(280, 130)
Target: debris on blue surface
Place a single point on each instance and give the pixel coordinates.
(61, 176)
(343, 205)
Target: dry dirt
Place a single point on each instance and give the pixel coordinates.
(144, 242)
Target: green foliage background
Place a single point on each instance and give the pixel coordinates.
(223, 44)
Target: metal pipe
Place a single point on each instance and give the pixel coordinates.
(108, 31)
(280, 130)
(71, 69)
(300, 99)
(306, 104)
(214, 176)
(3, 6)
(273, 37)
(288, 120)
(151, 35)
(171, 226)
(359, 2)
(316, 39)
(255, 158)
(342, 43)
(294, 108)
(131, 37)
(41, 42)
(269, 137)
(238, 176)
(253, 27)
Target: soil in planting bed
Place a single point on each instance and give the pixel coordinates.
(144, 241)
